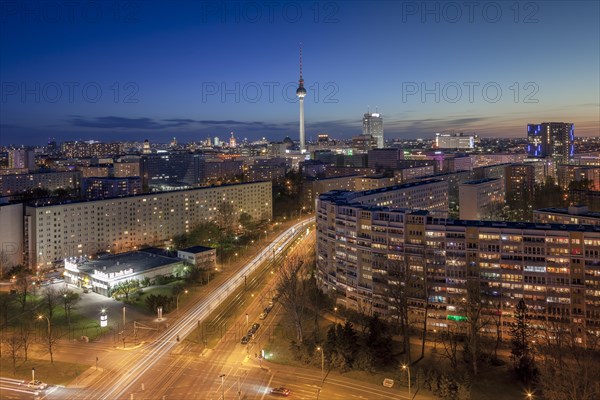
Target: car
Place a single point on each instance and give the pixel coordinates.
(254, 327)
(38, 385)
(271, 304)
(57, 280)
(281, 391)
(268, 309)
(262, 315)
(245, 340)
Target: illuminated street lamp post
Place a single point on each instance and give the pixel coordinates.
(404, 366)
(222, 376)
(177, 299)
(322, 362)
(49, 337)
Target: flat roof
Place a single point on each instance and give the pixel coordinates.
(565, 211)
(36, 204)
(137, 261)
(196, 249)
(478, 181)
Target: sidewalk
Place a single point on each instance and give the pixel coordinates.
(86, 378)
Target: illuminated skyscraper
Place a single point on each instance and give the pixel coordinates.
(551, 139)
(373, 125)
(301, 92)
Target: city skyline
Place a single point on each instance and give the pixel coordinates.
(142, 72)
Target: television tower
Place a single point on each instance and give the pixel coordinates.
(301, 92)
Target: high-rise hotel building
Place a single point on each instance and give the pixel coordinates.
(554, 268)
(53, 232)
(373, 126)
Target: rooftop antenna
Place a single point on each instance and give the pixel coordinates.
(301, 80)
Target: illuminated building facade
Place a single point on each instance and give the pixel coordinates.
(554, 268)
(54, 232)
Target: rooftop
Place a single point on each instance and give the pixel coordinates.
(196, 249)
(136, 261)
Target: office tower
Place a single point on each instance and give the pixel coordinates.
(301, 92)
(217, 141)
(232, 141)
(551, 139)
(373, 126)
(384, 158)
(164, 171)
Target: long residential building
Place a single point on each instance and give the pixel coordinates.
(53, 232)
(25, 183)
(362, 249)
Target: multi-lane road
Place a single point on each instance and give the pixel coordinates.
(127, 371)
(167, 368)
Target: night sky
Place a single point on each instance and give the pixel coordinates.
(133, 70)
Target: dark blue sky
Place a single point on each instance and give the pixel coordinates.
(131, 70)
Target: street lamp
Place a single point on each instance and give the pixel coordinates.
(529, 395)
(404, 366)
(49, 337)
(222, 376)
(185, 291)
(322, 362)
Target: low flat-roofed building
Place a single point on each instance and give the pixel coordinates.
(107, 271)
(199, 256)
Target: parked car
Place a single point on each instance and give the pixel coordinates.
(38, 385)
(262, 315)
(245, 340)
(281, 391)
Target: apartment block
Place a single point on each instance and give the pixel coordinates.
(474, 197)
(554, 268)
(20, 183)
(56, 231)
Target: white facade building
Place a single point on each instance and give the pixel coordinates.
(55, 232)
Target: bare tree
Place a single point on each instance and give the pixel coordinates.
(293, 290)
(51, 300)
(450, 340)
(68, 298)
(400, 282)
(5, 301)
(473, 309)
(21, 286)
(226, 218)
(14, 346)
(25, 336)
(569, 370)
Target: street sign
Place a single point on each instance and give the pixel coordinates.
(387, 382)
